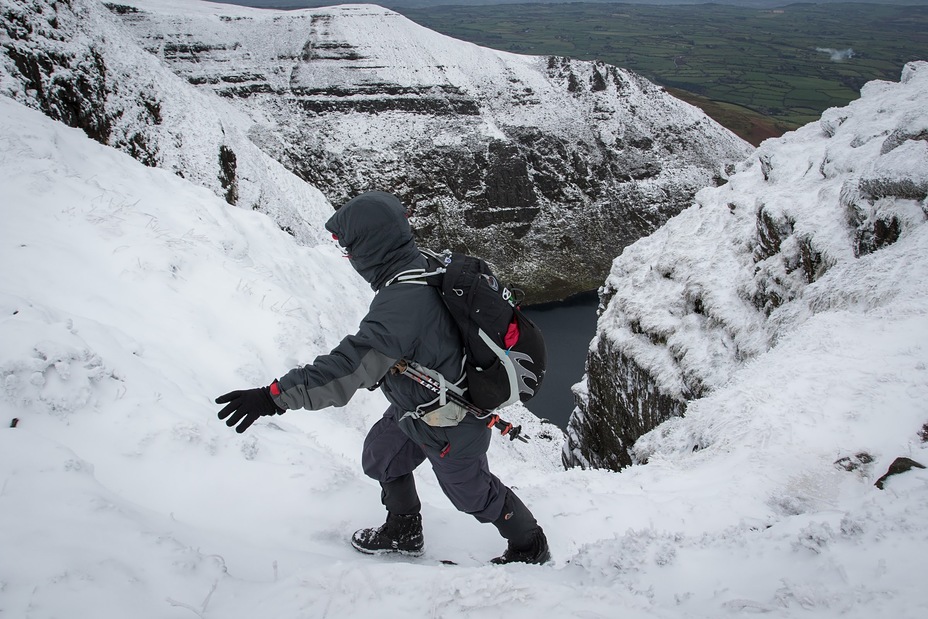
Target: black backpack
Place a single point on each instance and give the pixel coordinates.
(505, 351)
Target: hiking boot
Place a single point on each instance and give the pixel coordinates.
(400, 533)
(536, 553)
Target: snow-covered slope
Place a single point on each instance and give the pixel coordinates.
(123, 314)
(521, 159)
(824, 227)
(73, 61)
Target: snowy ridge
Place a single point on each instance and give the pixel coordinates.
(75, 62)
(122, 495)
(384, 48)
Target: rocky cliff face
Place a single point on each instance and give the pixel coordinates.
(546, 166)
(749, 262)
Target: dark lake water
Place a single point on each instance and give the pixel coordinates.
(568, 327)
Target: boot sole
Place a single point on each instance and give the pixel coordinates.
(388, 551)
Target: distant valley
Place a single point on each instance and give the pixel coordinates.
(759, 72)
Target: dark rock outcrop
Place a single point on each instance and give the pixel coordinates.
(900, 465)
(627, 402)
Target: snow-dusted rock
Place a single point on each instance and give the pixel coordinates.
(811, 225)
(547, 167)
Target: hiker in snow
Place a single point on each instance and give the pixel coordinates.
(405, 322)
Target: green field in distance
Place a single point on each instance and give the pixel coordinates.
(759, 72)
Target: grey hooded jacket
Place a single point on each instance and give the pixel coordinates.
(405, 321)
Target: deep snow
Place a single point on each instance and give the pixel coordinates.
(130, 298)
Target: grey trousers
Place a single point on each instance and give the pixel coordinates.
(458, 457)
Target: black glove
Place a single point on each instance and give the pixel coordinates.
(244, 407)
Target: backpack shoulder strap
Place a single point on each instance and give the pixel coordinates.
(424, 277)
